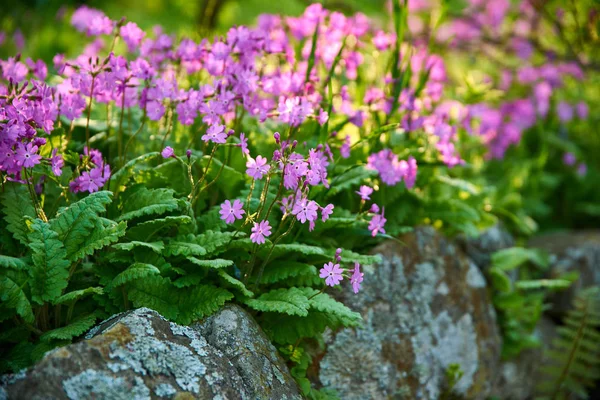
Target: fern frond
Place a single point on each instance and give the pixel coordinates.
(212, 241)
(49, 273)
(121, 177)
(157, 293)
(74, 329)
(156, 247)
(105, 232)
(217, 263)
(78, 294)
(282, 249)
(14, 262)
(200, 301)
(326, 304)
(134, 272)
(290, 301)
(145, 230)
(144, 201)
(574, 358)
(287, 329)
(188, 280)
(12, 296)
(75, 223)
(231, 282)
(281, 270)
(177, 248)
(16, 206)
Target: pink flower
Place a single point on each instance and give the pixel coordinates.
(230, 212)
(57, 163)
(257, 168)
(132, 35)
(260, 230)
(564, 111)
(411, 173)
(377, 223)
(356, 278)
(326, 212)
(569, 159)
(26, 155)
(332, 274)
(323, 117)
(345, 149)
(305, 210)
(582, 169)
(215, 133)
(365, 192)
(582, 110)
(244, 144)
(168, 152)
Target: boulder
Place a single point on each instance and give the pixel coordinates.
(481, 248)
(571, 251)
(425, 308)
(141, 355)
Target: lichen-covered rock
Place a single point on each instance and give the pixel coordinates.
(425, 307)
(141, 355)
(571, 251)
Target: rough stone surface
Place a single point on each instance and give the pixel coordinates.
(425, 307)
(141, 355)
(571, 251)
(481, 248)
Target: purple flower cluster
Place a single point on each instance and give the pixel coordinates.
(391, 170)
(334, 274)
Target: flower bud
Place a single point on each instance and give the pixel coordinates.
(188, 153)
(277, 137)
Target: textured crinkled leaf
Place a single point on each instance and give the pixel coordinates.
(119, 178)
(105, 232)
(14, 262)
(280, 270)
(200, 301)
(50, 268)
(213, 241)
(287, 329)
(216, 263)
(352, 176)
(513, 257)
(75, 223)
(74, 329)
(290, 301)
(12, 296)
(156, 247)
(144, 201)
(363, 259)
(326, 304)
(283, 249)
(157, 293)
(78, 294)
(144, 230)
(188, 280)
(17, 205)
(134, 272)
(177, 248)
(230, 281)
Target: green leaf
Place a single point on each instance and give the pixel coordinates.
(230, 281)
(324, 303)
(105, 232)
(14, 263)
(12, 296)
(459, 184)
(134, 272)
(213, 241)
(554, 284)
(200, 301)
(281, 270)
(75, 223)
(78, 294)
(216, 263)
(176, 248)
(188, 280)
(156, 247)
(157, 293)
(122, 176)
(283, 249)
(50, 272)
(513, 257)
(74, 329)
(290, 301)
(144, 201)
(352, 176)
(500, 280)
(146, 230)
(17, 205)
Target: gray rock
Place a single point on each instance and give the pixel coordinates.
(481, 248)
(571, 251)
(141, 355)
(425, 307)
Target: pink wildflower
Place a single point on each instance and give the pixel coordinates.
(305, 210)
(257, 168)
(230, 212)
(365, 192)
(377, 223)
(26, 155)
(215, 133)
(168, 152)
(332, 273)
(356, 278)
(326, 212)
(260, 230)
